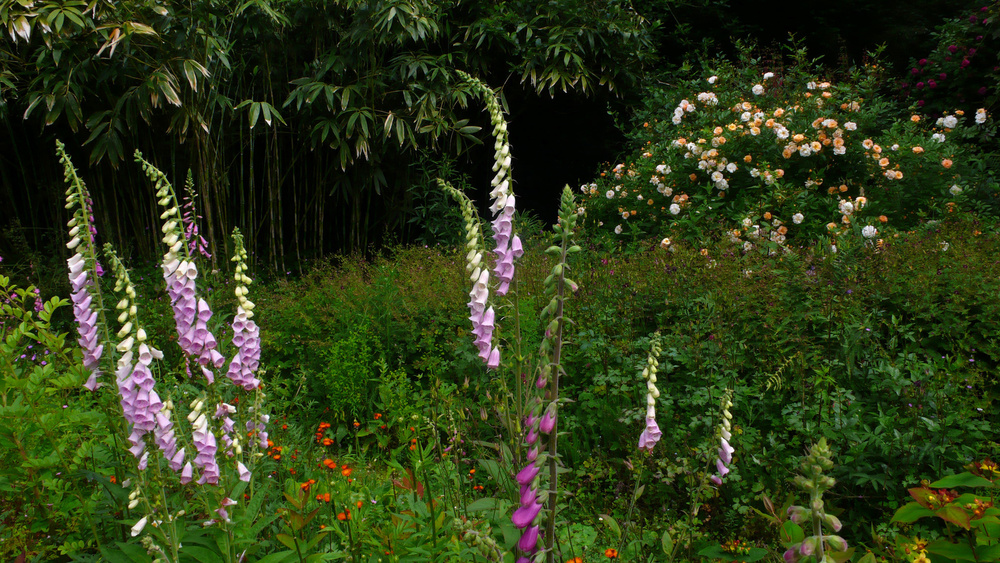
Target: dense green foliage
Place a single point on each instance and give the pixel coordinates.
(788, 287)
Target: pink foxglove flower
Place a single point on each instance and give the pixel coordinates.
(725, 450)
(82, 232)
(651, 433)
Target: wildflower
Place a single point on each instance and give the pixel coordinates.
(757, 89)
(82, 232)
(955, 189)
(618, 229)
(768, 75)
(674, 210)
(611, 553)
(918, 150)
(610, 194)
(980, 116)
(946, 163)
(712, 79)
(850, 126)
(939, 137)
(950, 121)
(869, 231)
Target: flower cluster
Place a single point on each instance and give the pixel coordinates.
(651, 434)
(191, 315)
(959, 70)
(481, 314)
(205, 444)
(739, 154)
(541, 420)
(508, 244)
(246, 333)
(196, 243)
(815, 483)
(725, 450)
(140, 402)
(81, 266)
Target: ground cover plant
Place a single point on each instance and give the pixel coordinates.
(793, 365)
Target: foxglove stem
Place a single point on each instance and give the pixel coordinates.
(724, 434)
(191, 315)
(246, 333)
(141, 406)
(651, 434)
(83, 270)
(196, 243)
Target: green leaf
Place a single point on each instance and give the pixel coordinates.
(955, 514)
(791, 534)
(277, 557)
(961, 480)
(910, 512)
(668, 543)
(286, 540)
(960, 552)
(612, 525)
(489, 503)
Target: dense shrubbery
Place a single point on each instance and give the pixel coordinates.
(765, 157)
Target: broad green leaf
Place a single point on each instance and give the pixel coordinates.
(791, 534)
(960, 552)
(955, 514)
(961, 480)
(911, 512)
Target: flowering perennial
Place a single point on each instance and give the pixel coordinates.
(651, 433)
(196, 243)
(81, 265)
(543, 421)
(725, 450)
(191, 315)
(140, 402)
(482, 316)
(246, 333)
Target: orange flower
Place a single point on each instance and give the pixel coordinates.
(918, 150)
(284, 427)
(360, 504)
(747, 159)
(357, 424)
(611, 553)
(575, 560)
(767, 216)
(114, 479)
(341, 517)
(330, 464)
(946, 163)
(883, 219)
(346, 471)
(378, 415)
(915, 118)
(327, 441)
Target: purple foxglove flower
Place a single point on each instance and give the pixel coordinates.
(650, 435)
(243, 471)
(791, 556)
(526, 514)
(494, 360)
(721, 467)
(186, 473)
(177, 461)
(527, 475)
(548, 422)
(726, 452)
(715, 479)
(529, 540)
